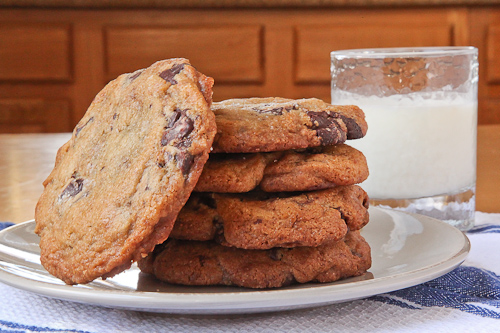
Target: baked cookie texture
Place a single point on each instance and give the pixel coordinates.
(276, 124)
(129, 167)
(289, 171)
(277, 202)
(234, 173)
(208, 263)
(260, 220)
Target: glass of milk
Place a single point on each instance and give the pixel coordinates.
(421, 109)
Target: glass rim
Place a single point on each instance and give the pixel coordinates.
(404, 52)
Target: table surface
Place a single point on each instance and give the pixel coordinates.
(27, 159)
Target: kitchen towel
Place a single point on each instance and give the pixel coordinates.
(465, 300)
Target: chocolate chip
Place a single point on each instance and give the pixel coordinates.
(177, 114)
(275, 111)
(353, 129)
(327, 127)
(330, 136)
(179, 128)
(184, 161)
(73, 188)
(78, 129)
(320, 119)
(186, 126)
(135, 74)
(168, 74)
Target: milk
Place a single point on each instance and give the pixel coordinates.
(417, 148)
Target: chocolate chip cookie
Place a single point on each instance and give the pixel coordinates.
(289, 171)
(314, 169)
(129, 167)
(258, 220)
(208, 263)
(276, 124)
(234, 173)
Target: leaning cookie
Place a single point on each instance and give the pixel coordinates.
(263, 221)
(207, 263)
(275, 124)
(289, 171)
(129, 167)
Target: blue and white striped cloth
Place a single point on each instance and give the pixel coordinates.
(464, 300)
(468, 288)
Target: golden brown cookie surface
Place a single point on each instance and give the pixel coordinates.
(276, 124)
(289, 171)
(131, 163)
(208, 263)
(315, 169)
(233, 173)
(263, 221)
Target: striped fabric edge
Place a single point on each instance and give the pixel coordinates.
(7, 326)
(468, 289)
(4, 225)
(485, 229)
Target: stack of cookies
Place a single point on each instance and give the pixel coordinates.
(277, 202)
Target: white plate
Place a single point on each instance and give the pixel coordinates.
(406, 249)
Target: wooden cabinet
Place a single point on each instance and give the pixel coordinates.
(485, 34)
(32, 52)
(231, 53)
(53, 62)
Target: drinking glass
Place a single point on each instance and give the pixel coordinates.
(421, 109)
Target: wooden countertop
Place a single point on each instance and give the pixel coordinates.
(27, 159)
(488, 169)
(124, 4)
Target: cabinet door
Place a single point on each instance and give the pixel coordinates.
(314, 43)
(229, 53)
(35, 52)
(485, 34)
(35, 62)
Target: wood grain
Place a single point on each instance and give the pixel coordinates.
(53, 54)
(35, 52)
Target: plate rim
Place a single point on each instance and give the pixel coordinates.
(249, 301)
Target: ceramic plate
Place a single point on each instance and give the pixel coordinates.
(407, 249)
